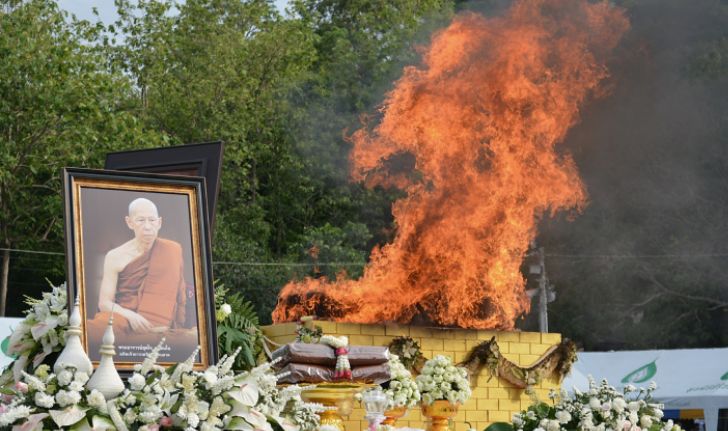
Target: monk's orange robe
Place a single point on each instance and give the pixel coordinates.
(152, 285)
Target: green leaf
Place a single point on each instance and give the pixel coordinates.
(499, 426)
(542, 409)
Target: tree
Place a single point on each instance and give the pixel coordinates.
(223, 69)
(59, 106)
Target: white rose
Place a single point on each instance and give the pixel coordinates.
(594, 404)
(645, 421)
(633, 406)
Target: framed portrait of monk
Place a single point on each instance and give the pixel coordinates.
(138, 250)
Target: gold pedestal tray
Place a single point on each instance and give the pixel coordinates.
(339, 397)
(439, 414)
(392, 415)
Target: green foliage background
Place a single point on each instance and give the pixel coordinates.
(284, 90)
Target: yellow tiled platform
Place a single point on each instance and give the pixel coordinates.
(493, 399)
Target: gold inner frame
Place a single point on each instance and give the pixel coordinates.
(191, 192)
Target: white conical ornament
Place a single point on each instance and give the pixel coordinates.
(106, 379)
(73, 354)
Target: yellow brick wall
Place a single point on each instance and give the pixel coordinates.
(493, 399)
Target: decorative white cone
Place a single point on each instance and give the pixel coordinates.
(73, 353)
(106, 379)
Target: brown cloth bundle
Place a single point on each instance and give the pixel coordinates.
(308, 373)
(321, 354)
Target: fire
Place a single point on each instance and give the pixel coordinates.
(482, 118)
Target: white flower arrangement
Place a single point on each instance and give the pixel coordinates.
(441, 380)
(601, 408)
(40, 334)
(401, 390)
(176, 398)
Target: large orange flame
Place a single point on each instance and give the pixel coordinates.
(482, 118)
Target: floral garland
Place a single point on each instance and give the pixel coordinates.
(340, 346)
(409, 353)
(176, 398)
(441, 380)
(401, 390)
(307, 332)
(601, 408)
(557, 359)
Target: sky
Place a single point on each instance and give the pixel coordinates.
(107, 10)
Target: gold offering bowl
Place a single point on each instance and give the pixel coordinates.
(338, 397)
(439, 414)
(393, 414)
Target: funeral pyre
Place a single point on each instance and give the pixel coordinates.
(482, 118)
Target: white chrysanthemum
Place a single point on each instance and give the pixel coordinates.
(80, 377)
(553, 425)
(44, 400)
(136, 382)
(563, 416)
(75, 386)
(67, 398)
(64, 377)
(130, 416)
(12, 414)
(150, 413)
(193, 420)
(96, 399)
(34, 383)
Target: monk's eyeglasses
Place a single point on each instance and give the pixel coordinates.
(140, 221)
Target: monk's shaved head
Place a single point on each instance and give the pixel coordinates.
(142, 204)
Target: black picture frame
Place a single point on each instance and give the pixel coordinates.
(199, 159)
(92, 202)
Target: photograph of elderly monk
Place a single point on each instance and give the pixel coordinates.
(137, 253)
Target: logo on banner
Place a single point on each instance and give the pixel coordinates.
(4, 346)
(642, 374)
(724, 376)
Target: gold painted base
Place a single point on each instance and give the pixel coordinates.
(439, 414)
(331, 417)
(338, 397)
(392, 415)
